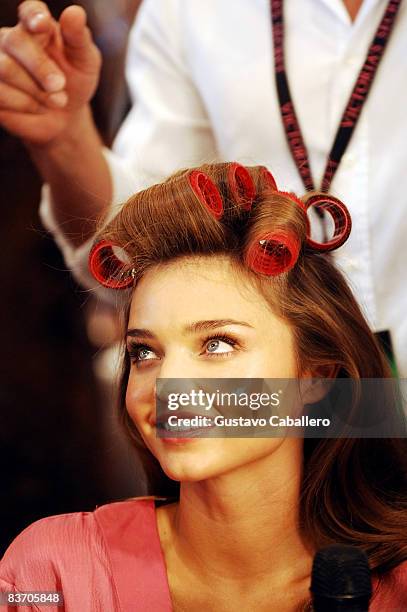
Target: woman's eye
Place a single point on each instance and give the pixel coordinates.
(219, 346)
(140, 354)
(144, 354)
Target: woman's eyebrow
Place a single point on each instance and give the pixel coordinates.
(199, 326)
(140, 333)
(191, 328)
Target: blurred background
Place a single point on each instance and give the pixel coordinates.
(61, 449)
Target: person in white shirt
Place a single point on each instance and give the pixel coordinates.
(201, 76)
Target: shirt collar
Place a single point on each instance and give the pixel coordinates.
(339, 9)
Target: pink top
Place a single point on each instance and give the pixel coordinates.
(110, 560)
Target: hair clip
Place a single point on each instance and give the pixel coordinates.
(341, 218)
(107, 268)
(207, 192)
(241, 185)
(272, 254)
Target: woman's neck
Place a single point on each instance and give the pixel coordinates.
(243, 526)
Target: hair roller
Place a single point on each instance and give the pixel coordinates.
(262, 178)
(294, 198)
(272, 253)
(107, 268)
(207, 192)
(268, 178)
(241, 185)
(237, 191)
(341, 218)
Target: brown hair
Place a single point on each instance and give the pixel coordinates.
(353, 490)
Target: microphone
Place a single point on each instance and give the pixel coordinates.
(340, 580)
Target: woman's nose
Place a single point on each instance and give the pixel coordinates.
(178, 374)
(179, 364)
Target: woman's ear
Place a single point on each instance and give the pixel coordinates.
(329, 370)
(316, 383)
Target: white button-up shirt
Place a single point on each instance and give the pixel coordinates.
(201, 76)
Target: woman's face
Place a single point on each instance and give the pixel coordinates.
(194, 318)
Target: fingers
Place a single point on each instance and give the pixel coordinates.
(78, 42)
(35, 16)
(18, 101)
(20, 83)
(21, 46)
(73, 26)
(13, 75)
(26, 126)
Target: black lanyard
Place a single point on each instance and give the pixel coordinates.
(353, 109)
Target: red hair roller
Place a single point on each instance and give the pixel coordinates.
(341, 218)
(294, 198)
(108, 269)
(268, 178)
(241, 185)
(299, 203)
(273, 253)
(207, 193)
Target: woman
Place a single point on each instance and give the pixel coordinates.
(227, 284)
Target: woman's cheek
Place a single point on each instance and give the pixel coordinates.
(140, 396)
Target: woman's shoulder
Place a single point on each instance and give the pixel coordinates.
(52, 546)
(136, 515)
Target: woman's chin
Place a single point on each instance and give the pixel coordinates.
(184, 471)
(187, 469)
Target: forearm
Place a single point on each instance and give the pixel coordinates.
(78, 175)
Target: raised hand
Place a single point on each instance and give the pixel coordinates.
(49, 71)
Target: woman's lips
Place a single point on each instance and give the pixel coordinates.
(181, 435)
(179, 440)
(180, 414)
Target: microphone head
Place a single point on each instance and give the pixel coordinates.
(341, 572)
